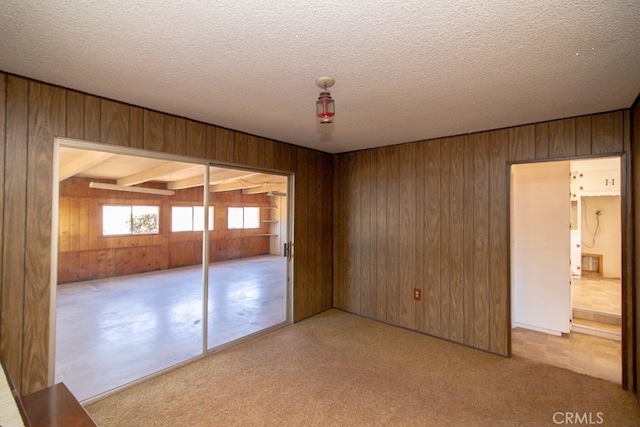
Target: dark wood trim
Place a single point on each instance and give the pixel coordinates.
(632, 352)
(55, 406)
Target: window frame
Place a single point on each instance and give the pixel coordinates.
(131, 210)
(244, 218)
(193, 210)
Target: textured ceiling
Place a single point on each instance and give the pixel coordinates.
(405, 70)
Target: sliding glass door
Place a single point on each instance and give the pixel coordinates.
(159, 260)
(247, 271)
(129, 288)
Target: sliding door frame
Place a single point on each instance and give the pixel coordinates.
(114, 149)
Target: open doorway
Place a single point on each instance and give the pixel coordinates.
(160, 259)
(566, 306)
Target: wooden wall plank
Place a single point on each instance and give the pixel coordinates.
(340, 289)
(323, 217)
(252, 149)
(382, 276)
(259, 150)
(136, 127)
(393, 229)
(481, 221)
(498, 243)
(311, 215)
(170, 143)
(363, 225)
(3, 129)
(370, 273)
(407, 234)
(632, 332)
(284, 158)
(562, 138)
(268, 153)
(240, 148)
(542, 141)
(445, 268)
(432, 235)
(420, 242)
(629, 286)
(224, 145)
(583, 136)
(75, 115)
(626, 131)
(181, 136)
(153, 131)
(15, 205)
(196, 139)
(522, 143)
(304, 280)
(456, 239)
(354, 233)
(607, 133)
(324, 234)
(337, 248)
(468, 236)
(114, 123)
(92, 120)
(210, 141)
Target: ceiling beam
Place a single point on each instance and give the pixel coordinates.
(220, 177)
(105, 186)
(195, 181)
(82, 163)
(214, 178)
(281, 188)
(256, 180)
(153, 173)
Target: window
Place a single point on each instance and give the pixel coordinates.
(243, 218)
(119, 219)
(189, 218)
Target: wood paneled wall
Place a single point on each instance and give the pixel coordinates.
(32, 114)
(632, 321)
(434, 215)
(83, 253)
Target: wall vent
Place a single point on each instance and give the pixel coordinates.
(592, 264)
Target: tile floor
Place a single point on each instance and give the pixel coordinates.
(586, 354)
(579, 352)
(598, 294)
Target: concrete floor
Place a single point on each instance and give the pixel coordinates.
(110, 332)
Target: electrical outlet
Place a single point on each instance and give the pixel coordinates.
(417, 294)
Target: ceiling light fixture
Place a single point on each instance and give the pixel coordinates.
(325, 107)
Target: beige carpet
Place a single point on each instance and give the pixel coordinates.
(337, 369)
